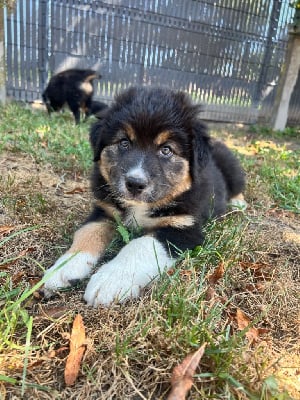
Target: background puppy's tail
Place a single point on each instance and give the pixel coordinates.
(230, 167)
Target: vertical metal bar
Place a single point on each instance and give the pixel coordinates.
(43, 38)
(267, 57)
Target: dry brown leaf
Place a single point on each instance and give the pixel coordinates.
(253, 265)
(77, 349)
(186, 274)
(243, 322)
(182, 375)
(259, 270)
(6, 229)
(171, 271)
(217, 274)
(17, 277)
(210, 294)
(256, 287)
(53, 312)
(55, 353)
(75, 190)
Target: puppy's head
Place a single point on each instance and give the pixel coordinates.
(148, 145)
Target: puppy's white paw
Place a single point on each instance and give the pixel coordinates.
(69, 267)
(136, 265)
(238, 203)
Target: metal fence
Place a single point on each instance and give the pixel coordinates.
(226, 55)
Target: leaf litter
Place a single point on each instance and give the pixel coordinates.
(77, 349)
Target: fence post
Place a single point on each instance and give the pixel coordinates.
(43, 36)
(2, 60)
(287, 82)
(289, 75)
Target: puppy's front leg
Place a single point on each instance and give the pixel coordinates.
(135, 266)
(90, 242)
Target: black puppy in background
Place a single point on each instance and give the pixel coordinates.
(73, 87)
(97, 107)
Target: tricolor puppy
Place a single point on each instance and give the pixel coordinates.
(155, 167)
(73, 87)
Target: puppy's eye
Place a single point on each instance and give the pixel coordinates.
(166, 151)
(124, 144)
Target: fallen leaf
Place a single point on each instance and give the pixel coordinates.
(75, 190)
(242, 320)
(254, 266)
(53, 312)
(210, 294)
(256, 287)
(55, 353)
(217, 274)
(259, 270)
(77, 349)
(252, 333)
(182, 375)
(16, 278)
(186, 274)
(6, 229)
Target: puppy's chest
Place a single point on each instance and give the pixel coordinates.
(143, 217)
(139, 217)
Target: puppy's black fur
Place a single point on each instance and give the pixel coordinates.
(152, 152)
(73, 87)
(157, 169)
(97, 107)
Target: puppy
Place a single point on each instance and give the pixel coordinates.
(73, 87)
(155, 168)
(97, 107)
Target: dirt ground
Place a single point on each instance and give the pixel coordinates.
(34, 195)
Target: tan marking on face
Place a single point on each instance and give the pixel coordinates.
(130, 132)
(110, 210)
(162, 138)
(182, 183)
(86, 87)
(105, 163)
(93, 238)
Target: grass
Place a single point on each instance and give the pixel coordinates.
(133, 347)
(41, 137)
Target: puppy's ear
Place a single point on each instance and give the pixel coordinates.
(95, 139)
(97, 132)
(201, 144)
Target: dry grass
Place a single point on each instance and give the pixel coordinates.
(132, 348)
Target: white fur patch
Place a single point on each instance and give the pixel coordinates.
(77, 266)
(238, 202)
(137, 171)
(135, 266)
(87, 87)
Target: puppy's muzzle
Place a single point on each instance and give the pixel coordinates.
(136, 184)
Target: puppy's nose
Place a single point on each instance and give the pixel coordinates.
(135, 185)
